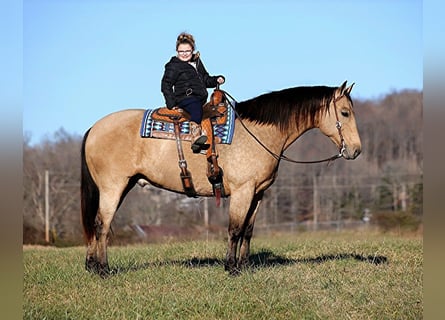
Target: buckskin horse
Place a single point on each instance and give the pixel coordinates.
(115, 158)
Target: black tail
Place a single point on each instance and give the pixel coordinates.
(89, 194)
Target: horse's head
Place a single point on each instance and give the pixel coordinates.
(338, 123)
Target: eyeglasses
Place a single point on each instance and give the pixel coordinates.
(184, 52)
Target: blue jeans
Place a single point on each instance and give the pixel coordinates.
(194, 107)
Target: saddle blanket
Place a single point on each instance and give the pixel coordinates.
(165, 130)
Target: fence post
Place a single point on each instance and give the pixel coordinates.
(315, 200)
(206, 212)
(46, 206)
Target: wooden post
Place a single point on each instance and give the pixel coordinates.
(46, 206)
(403, 197)
(395, 197)
(206, 212)
(316, 204)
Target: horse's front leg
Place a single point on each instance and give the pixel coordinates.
(239, 207)
(234, 236)
(244, 254)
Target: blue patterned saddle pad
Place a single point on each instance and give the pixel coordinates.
(165, 130)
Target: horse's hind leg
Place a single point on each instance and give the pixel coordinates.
(91, 261)
(108, 204)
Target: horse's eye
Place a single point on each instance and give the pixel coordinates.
(345, 113)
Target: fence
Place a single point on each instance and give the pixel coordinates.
(338, 201)
(294, 202)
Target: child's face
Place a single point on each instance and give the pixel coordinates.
(184, 52)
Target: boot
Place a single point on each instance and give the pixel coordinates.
(198, 139)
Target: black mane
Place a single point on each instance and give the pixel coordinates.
(286, 107)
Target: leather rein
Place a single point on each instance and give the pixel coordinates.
(278, 157)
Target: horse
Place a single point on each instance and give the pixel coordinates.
(114, 158)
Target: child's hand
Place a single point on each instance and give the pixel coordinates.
(220, 80)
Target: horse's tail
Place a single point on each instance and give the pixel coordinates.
(89, 195)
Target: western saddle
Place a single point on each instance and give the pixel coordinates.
(214, 112)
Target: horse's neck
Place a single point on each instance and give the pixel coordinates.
(273, 138)
(294, 134)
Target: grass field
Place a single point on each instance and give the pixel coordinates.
(347, 275)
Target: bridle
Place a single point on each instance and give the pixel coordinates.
(278, 157)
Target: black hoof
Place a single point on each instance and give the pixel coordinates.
(93, 266)
(244, 264)
(104, 272)
(232, 269)
(235, 272)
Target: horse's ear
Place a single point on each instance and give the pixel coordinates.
(349, 89)
(340, 90)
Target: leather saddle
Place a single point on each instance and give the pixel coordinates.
(214, 112)
(215, 109)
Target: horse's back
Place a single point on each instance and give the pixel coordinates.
(118, 119)
(118, 129)
(112, 143)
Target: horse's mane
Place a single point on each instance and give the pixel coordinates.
(286, 107)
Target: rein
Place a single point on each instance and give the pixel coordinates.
(283, 157)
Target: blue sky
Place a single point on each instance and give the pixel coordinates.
(85, 59)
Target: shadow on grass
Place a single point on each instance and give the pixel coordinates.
(267, 258)
(261, 259)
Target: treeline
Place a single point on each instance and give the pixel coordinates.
(387, 177)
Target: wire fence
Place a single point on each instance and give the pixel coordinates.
(293, 203)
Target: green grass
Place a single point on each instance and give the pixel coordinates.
(304, 276)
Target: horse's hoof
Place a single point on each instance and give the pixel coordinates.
(104, 273)
(235, 272)
(91, 265)
(103, 270)
(244, 264)
(232, 269)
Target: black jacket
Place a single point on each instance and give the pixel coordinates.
(181, 80)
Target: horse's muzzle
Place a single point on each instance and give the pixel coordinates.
(351, 153)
